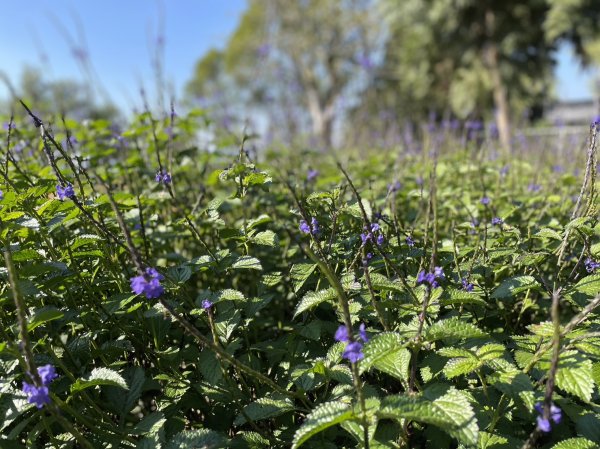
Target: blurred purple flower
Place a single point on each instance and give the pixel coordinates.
(467, 286)
(263, 50)
(362, 332)
(148, 284)
(39, 396)
(311, 174)
(591, 265)
(342, 334)
(533, 187)
(206, 304)
(65, 191)
(504, 170)
(353, 352)
(543, 424)
(410, 241)
(497, 221)
(365, 62)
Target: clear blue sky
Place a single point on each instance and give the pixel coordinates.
(120, 34)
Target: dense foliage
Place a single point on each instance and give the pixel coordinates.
(159, 291)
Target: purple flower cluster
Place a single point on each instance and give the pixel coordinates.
(40, 395)
(410, 241)
(467, 286)
(206, 304)
(533, 187)
(544, 425)
(375, 232)
(163, 176)
(353, 351)
(1, 195)
(394, 187)
(65, 191)
(313, 228)
(431, 278)
(497, 221)
(591, 265)
(148, 284)
(485, 200)
(311, 174)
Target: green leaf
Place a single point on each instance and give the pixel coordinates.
(264, 408)
(247, 263)
(459, 366)
(150, 424)
(387, 352)
(266, 238)
(576, 443)
(574, 375)
(380, 282)
(100, 376)
(548, 233)
(451, 412)
(321, 418)
(452, 328)
(44, 315)
(589, 285)
(311, 299)
(197, 439)
(513, 286)
(300, 272)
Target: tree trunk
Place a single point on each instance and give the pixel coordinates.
(498, 87)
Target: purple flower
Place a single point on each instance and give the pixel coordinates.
(163, 176)
(596, 120)
(504, 170)
(8, 126)
(543, 424)
(65, 191)
(311, 175)
(304, 227)
(47, 374)
(591, 265)
(533, 187)
(375, 227)
(206, 304)
(39, 396)
(365, 62)
(314, 224)
(467, 286)
(485, 201)
(342, 334)
(431, 278)
(353, 352)
(394, 187)
(1, 195)
(410, 241)
(365, 236)
(362, 332)
(148, 284)
(380, 239)
(497, 221)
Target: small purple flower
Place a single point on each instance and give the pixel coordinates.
(558, 168)
(304, 227)
(8, 126)
(420, 181)
(163, 176)
(394, 187)
(375, 227)
(368, 257)
(47, 374)
(543, 424)
(353, 352)
(206, 304)
(380, 239)
(362, 332)
(504, 170)
(1, 195)
(485, 201)
(596, 120)
(342, 334)
(467, 286)
(497, 221)
(533, 187)
(65, 191)
(39, 396)
(311, 175)
(365, 62)
(410, 241)
(148, 284)
(365, 236)
(431, 278)
(591, 265)
(314, 224)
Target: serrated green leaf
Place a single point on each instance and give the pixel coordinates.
(44, 315)
(247, 263)
(100, 376)
(197, 439)
(451, 412)
(312, 299)
(266, 238)
(459, 366)
(574, 375)
(452, 328)
(515, 285)
(576, 443)
(380, 282)
(548, 233)
(264, 408)
(321, 418)
(589, 285)
(387, 352)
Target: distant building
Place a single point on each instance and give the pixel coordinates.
(573, 113)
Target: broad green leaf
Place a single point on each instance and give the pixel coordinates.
(247, 263)
(590, 285)
(387, 352)
(548, 233)
(321, 418)
(452, 328)
(150, 424)
(451, 412)
(264, 408)
(380, 282)
(300, 272)
(513, 286)
(43, 316)
(459, 366)
(100, 376)
(266, 238)
(574, 375)
(576, 443)
(197, 439)
(312, 299)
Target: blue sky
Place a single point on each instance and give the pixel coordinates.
(120, 35)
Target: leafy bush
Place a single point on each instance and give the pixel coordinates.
(189, 298)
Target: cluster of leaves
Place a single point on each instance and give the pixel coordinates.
(259, 367)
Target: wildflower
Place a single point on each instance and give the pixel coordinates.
(206, 304)
(1, 195)
(410, 241)
(362, 332)
(40, 395)
(311, 175)
(365, 62)
(497, 221)
(485, 201)
(365, 236)
(596, 120)
(65, 191)
(163, 176)
(148, 283)
(368, 257)
(504, 170)
(342, 334)
(431, 278)
(591, 265)
(394, 187)
(8, 126)
(555, 415)
(380, 239)
(313, 228)
(467, 286)
(353, 352)
(533, 187)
